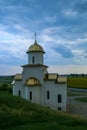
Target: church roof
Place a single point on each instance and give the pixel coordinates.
(48, 77)
(51, 76)
(55, 77)
(62, 79)
(18, 77)
(34, 65)
(35, 48)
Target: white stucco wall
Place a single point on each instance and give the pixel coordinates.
(18, 87)
(55, 90)
(36, 72)
(39, 93)
(35, 93)
(38, 57)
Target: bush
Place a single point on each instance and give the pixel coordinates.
(6, 87)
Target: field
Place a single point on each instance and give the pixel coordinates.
(77, 82)
(18, 114)
(82, 99)
(73, 82)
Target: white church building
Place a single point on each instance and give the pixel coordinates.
(36, 85)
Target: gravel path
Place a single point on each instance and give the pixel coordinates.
(77, 107)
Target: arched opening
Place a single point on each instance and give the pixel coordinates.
(59, 98)
(19, 93)
(48, 94)
(32, 82)
(30, 95)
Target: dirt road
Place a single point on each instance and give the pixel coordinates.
(77, 107)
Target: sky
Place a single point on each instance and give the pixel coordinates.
(61, 28)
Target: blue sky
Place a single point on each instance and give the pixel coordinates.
(61, 27)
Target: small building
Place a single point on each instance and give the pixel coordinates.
(36, 85)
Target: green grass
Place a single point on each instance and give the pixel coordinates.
(81, 99)
(18, 114)
(75, 94)
(78, 82)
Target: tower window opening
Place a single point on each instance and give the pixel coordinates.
(33, 60)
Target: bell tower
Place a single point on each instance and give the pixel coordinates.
(35, 53)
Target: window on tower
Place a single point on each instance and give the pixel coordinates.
(33, 60)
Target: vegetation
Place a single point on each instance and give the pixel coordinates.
(74, 93)
(18, 114)
(81, 99)
(77, 82)
(5, 83)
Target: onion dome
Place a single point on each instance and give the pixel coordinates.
(35, 48)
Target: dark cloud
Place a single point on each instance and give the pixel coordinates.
(64, 51)
(81, 7)
(85, 54)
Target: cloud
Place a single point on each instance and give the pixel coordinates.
(81, 6)
(60, 69)
(13, 45)
(70, 44)
(50, 18)
(67, 69)
(63, 50)
(70, 13)
(9, 69)
(61, 30)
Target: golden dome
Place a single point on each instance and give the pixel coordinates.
(35, 48)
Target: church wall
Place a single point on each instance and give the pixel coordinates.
(42, 95)
(54, 91)
(36, 72)
(35, 90)
(35, 58)
(18, 89)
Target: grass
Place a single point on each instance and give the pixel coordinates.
(78, 82)
(75, 94)
(18, 114)
(81, 99)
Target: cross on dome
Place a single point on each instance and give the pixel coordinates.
(35, 47)
(35, 39)
(35, 35)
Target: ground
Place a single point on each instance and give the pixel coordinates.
(77, 107)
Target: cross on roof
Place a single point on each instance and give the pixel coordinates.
(35, 36)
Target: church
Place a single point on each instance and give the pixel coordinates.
(38, 86)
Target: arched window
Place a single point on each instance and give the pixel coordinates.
(48, 94)
(30, 95)
(59, 98)
(33, 60)
(19, 93)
